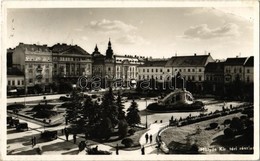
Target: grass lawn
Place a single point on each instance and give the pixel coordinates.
(176, 136)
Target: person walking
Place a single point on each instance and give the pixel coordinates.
(151, 138)
(74, 138)
(34, 140)
(117, 149)
(146, 137)
(142, 150)
(66, 134)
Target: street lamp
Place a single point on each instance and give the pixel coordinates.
(146, 126)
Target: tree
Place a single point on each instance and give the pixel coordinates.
(133, 116)
(74, 112)
(122, 128)
(109, 108)
(121, 112)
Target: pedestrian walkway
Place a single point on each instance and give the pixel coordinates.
(19, 143)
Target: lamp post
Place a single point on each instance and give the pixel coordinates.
(146, 126)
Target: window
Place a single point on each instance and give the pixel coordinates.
(109, 69)
(13, 82)
(160, 70)
(199, 70)
(30, 80)
(143, 70)
(199, 77)
(168, 70)
(156, 70)
(188, 70)
(9, 83)
(143, 76)
(152, 70)
(240, 70)
(193, 78)
(147, 76)
(180, 70)
(47, 80)
(248, 71)
(160, 77)
(22, 82)
(147, 70)
(193, 70)
(139, 77)
(18, 82)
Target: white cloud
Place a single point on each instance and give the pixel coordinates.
(132, 39)
(111, 26)
(204, 32)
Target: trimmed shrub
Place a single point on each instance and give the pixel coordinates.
(213, 125)
(131, 131)
(243, 117)
(229, 133)
(15, 106)
(128, 142)
(42, 107)
(227, 121)
(194, 149)
(237, 124)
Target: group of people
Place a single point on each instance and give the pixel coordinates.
(147, 137)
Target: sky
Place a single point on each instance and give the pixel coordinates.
(157, 32)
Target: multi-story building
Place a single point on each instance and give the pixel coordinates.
(36, 63)
(9, 57)
(249, 70)
(15, 79)
(214, 77)
(191, 67)
(152, 69)
(70, 62)
(114, 67)
(234, 69)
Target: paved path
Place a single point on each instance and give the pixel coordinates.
(20, 142)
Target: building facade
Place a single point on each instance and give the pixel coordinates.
(249, 70)
(214, 77)
(15, 79)
(70, 62)
(234, 69)
(152, 69)
(114, 67)
(36, 63)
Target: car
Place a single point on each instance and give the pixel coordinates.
(49, 135)
(22, 126)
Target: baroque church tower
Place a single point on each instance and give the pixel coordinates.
(109, 52)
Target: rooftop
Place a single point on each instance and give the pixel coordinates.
(215, 67)
(154, 63)
(186, 61)
(250, 62)
(236, 61)
(14, 71)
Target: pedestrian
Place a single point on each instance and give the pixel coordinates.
(151, 138)
(66, 133)
(146, 137)
(142, 150)
(117, 149)
(74, 138)
(34, 140)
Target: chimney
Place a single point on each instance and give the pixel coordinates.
(208, 53)
(195, 54)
